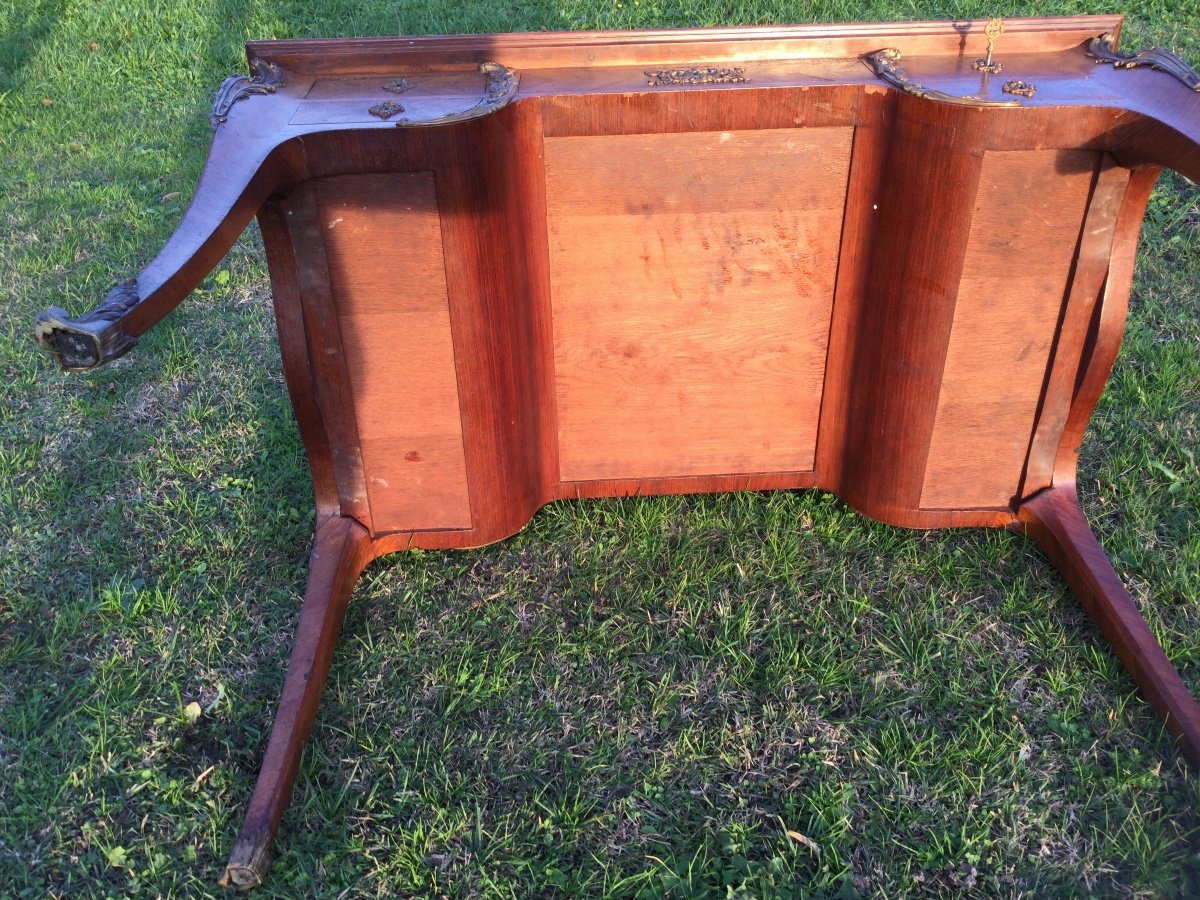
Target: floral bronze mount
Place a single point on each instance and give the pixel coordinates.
(386, 109)
(1022, 88)
(708, 75)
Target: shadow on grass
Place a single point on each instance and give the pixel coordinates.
(21, 37)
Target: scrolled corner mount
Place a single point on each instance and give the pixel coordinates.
(92, 339)
(885, 63)
(499, 89)
(267, 78)
(1102, 49)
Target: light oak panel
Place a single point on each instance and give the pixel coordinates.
(386, 265)
(1028, 214)
(691, 281)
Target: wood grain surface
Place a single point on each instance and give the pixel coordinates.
(387, 271)
(1024, 232)
(692, 279)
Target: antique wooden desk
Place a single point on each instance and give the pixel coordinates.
(883, 260)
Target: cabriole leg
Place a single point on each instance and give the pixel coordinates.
(341, 549)
(1055, 522)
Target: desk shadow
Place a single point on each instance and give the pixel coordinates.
(20, 40)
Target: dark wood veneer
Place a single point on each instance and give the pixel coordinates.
(802, 276)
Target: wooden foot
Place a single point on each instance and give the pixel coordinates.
(341, 549)
(1055, 522)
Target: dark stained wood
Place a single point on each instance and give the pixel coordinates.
(1054, 520)
(861, 229)
(1108, 324)
(293, 346)
(1141, 120)
(241, 173)
(924, 210)
(797, 276)
(520, 166)
(496, 317)
(667, 47)
(341, 549)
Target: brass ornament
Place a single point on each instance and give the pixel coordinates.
(386, 109)
(93, 338)
(1023, 88)
(886, 64)
(500, 87)
(710, 75)
(267, 78)
(399, 86)
(1101, 48)
(993, 30)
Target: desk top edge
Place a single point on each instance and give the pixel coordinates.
(531, 50)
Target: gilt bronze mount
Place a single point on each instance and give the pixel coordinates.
(886, 64)
(708, 75)
(1155, 58)
(266, 78)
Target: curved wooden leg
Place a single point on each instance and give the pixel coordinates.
(1055, 522)
(341, 550)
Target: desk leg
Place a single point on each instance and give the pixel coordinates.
(1055, 522)
(341, 550)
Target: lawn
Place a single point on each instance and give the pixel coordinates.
(759, 695)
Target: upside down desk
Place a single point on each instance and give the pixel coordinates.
(889, 261)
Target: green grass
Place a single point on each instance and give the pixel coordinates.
(752, 695)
